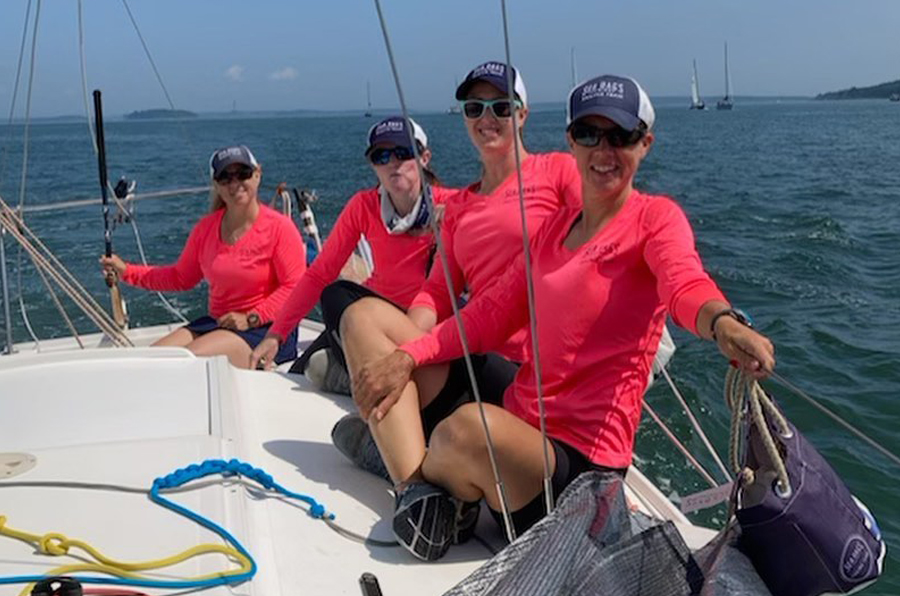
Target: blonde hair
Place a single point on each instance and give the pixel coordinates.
(215, 201)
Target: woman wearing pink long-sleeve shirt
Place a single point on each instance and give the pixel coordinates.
(393, 217)
(605, 277)
(482, 235)
(250, 255)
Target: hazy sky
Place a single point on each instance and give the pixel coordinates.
(302, 54)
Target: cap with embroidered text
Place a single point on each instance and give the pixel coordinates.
(222, 158)
(393, 131)
(493, 73)
(621, 99)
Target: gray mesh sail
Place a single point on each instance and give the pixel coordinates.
(592, 544)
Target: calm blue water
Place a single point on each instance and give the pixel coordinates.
(795, 204)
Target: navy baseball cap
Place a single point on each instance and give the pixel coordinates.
(493, 73)
(621, 99)
(393, 131)
(222, 158)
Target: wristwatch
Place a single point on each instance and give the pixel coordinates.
(735, 313)
(253, 319)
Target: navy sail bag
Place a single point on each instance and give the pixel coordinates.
(800, 526)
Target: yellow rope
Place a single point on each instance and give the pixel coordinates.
(56, 544)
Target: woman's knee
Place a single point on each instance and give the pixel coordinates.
(358, 315)
(461, 432)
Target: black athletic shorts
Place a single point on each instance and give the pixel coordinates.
(335, 299)
(570, 464)
(493, 373)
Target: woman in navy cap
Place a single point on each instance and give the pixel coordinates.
(482, 236)
(605, 275)
(250, 255)
(395, 219)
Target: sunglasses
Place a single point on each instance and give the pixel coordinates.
(382, 155)
(588, 135)
(242, 174)
(502, 108)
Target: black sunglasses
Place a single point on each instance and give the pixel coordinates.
(588, 135)
(242, 173)
(474, 108)
(382, 155)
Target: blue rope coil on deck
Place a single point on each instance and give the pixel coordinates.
(180, 477)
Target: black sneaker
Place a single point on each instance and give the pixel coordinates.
(352, 437)
(424, 520)
(466, 520)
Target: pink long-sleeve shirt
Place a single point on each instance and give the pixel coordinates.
(600, 313)
(401, 260)
(255, 274)
(482, 234)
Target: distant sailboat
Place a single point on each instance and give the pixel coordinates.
(726, 103)
(368, 113)
(454, 107)
(696, 101)
(895, 97)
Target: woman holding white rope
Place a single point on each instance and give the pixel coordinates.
(606, 275)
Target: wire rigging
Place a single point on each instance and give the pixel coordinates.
(426, 189)
(532, 313)
(91, 131)
(15, 91)
(23, 180)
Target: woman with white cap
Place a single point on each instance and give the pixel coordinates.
(250, 255)
(482, 235)
(394, 217)
(605, 276)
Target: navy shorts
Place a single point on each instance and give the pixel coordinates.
(254, 335)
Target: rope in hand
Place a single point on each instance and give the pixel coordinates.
(742, 393)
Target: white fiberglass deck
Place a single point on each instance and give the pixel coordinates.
(126, 416)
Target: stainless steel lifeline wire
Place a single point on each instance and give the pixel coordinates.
(426, 189)
(532, 313)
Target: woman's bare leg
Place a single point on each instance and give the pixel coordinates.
(223, 342)
(370, 330)
(180, 338)
(458, 457)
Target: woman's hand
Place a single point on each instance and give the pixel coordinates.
(751, 351)
(378, 385)
(263, 355)
(113, 265)
(236, 321)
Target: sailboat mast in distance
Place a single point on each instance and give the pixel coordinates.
(726, 103)
(696, 101)
(368, 113)
(574, 68)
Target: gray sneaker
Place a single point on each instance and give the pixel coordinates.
(352, 437)
(424, 520)
(327, 373)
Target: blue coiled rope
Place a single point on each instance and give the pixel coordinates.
(232, 467)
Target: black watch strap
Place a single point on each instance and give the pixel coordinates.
(253, 319)
(735, 313)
